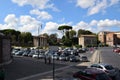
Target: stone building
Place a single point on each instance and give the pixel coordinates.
(118, 38)
(115, 39)
(86, 40)
(5, 50)
(109, 38)
(40, 41)
(102, 36)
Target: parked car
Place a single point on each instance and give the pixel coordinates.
(116, 50)
(26, 53)
(109, 69)
(14, 51)
(55, 56)
(91, 74)
(73, 58)
(38, 55)
(62, 58)
(83, 58)
(19, 52)
(31, 53)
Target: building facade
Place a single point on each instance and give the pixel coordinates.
(118, 38)
(102, 36)
(5, 50)
(40, 41)
(87, 40)
(109, 38)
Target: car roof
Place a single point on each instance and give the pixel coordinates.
(93, 71)
(103, 64)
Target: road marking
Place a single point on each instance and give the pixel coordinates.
(40, 74)
(94, 57)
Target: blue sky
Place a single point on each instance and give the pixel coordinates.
(28, 15)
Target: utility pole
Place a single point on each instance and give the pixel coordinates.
(39, 39)
(53, 68)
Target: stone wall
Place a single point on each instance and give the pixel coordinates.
(5, 50)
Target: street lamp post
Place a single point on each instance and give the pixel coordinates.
(39, 40)
(53, 68)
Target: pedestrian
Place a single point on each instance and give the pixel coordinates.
(49, 59)
(2, 73)
(45, 58)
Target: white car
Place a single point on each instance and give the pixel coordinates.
(62, 57)
(38, 55)
(83, 58)
(109, 69)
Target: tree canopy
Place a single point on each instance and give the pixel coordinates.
(83, 32)
(18, 38)
(64, 27)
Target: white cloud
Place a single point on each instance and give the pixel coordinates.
(26, 23)
(23, 23)
(11, 19)
(101, 6)
(39, 4)
(96, 6)
(81, 25)
(85, 3)
(96, 26)
(93, 23)
(114, 2)
(41, 14)
(51, 27)
(108, 23)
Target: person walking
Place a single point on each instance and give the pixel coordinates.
(49, 60)
(45, 58)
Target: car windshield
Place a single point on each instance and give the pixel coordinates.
(102, 76)
(109, 67)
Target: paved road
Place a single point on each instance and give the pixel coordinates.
(22, 67)
(25, 68)
(108, 56)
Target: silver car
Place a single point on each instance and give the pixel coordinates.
(83, 58)
(109, 69)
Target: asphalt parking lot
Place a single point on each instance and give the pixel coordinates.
(22, 67)
(27, 68)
